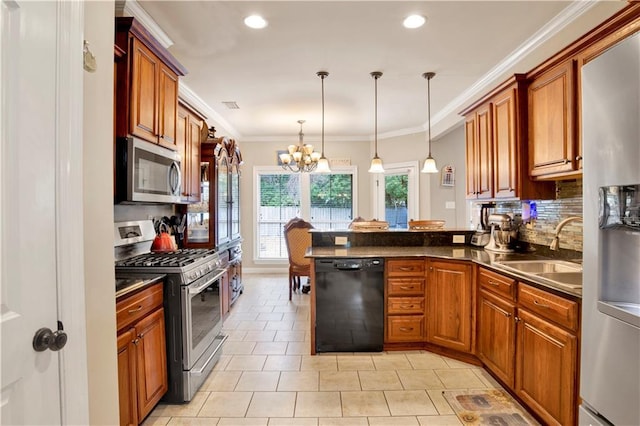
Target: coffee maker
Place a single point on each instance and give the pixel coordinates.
(483, 232)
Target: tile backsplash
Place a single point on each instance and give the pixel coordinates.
(568, 203)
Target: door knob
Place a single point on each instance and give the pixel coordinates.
(46, 339)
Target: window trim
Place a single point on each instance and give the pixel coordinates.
(305, 207)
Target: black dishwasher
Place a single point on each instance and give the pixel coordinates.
(349, 305)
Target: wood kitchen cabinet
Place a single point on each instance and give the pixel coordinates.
(528, 338)
(479, 154)
(142, 357)
(146, 101)
(553, 112)
(450, 304)
(496, 327)
(405, 302)
(190, 129)
(496, 149)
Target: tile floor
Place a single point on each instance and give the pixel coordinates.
(266, 376)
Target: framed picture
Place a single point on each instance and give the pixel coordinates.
(448, 176)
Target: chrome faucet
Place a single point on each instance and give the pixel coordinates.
(556, 239)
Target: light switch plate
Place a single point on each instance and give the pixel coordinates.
(458, 239)
(341, 241)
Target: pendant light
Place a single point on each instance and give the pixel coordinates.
(376, 162)
(429, 163)
(323, 163)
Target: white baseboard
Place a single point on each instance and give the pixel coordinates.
(265, 270)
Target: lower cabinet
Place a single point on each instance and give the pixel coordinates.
(405, 300)
(528, 339)
(142, 356)
(450, 298)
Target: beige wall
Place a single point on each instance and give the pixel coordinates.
(98, 217)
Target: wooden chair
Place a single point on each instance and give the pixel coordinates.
(298, 239)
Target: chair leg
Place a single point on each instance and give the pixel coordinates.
(290, 285)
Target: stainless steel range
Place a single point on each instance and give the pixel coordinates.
(192, 303)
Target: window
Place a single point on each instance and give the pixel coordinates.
(325, 200)
(396, 196)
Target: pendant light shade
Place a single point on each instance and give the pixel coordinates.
(323, 163)
(430, 163)
(376, 162)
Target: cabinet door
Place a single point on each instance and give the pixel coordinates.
(505, 168)
(235, 202)
(167, 107)
(192, 179)
(127, 378)
(497, 335)
(151, 357)
(471, 146)
(144, 93)
(484, 188)
(546, 370)
(222, 199)
(450, 302)
(552, 117)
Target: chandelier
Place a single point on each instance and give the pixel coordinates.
(301, 157)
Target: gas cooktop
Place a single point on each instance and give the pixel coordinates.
(178, 258)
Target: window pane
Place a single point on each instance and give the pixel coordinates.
(279, 202)
(395, 200)
(331, 200)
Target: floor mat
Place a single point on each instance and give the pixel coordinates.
(488, 407)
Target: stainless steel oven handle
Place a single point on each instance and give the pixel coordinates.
(199, 288)
(197, 371)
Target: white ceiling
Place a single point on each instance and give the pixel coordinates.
(271, 73)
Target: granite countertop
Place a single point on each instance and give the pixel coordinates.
(460, 252)
(128, 283)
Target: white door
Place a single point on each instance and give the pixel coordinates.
(35, 135)
(396, 194)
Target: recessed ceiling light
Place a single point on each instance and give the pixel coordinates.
(414, 21)
(255, 21)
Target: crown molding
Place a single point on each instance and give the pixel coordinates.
(190, 97)
(132, 8)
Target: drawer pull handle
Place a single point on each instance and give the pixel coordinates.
(542, 305)
(140, 336)
(135, 342)
(494, 283)
(405, 268)
(406, 328)
(133, 311)
(407, 287)
(406, 306)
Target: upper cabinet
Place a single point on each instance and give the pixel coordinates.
(496, 146)
(146, 101)
(553, 141)
(191, 129)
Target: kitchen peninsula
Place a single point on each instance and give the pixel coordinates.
(461, 301)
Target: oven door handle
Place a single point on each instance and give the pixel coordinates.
(222, 339)
(199, 288)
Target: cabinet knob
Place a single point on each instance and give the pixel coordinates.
(516, 319)
(510, 189)
(566, 161)
(431, 268)
(578, 157)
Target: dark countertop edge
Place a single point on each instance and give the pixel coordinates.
(386, 231)
(461, 252)
(143, 280)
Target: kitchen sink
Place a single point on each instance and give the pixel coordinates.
(559, 272)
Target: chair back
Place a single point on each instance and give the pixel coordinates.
(298, 239)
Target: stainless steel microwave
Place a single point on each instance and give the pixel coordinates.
(146, 172)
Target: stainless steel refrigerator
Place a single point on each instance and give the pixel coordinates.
(610, 351)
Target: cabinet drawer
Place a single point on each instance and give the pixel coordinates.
(405, 267)
(405, 305)
(132, 308)
(555, 308)
(405, 328)
(405, 286)
(496, 283)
